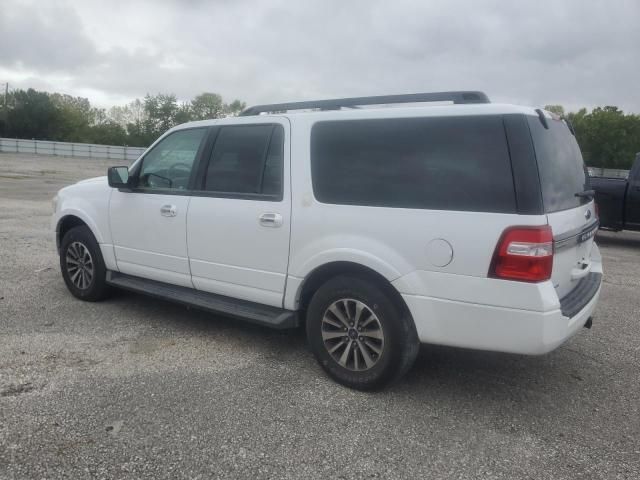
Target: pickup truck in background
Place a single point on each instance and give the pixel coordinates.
(618, 200)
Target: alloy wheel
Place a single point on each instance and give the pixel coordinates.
(79, 265)
(352, 334)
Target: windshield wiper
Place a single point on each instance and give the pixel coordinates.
(586, 194)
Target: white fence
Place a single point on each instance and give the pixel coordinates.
(608, 172)
(45, 147)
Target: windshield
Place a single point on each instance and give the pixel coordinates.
(560, 165)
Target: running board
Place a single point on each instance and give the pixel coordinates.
(251, 312)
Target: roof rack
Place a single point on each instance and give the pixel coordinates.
(355, 102)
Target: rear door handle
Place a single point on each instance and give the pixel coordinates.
(270, 219)
(168, 211)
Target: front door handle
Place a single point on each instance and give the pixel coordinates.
(168, 211)
(270, 219)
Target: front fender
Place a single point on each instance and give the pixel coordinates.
(88, 201)
(85, 217)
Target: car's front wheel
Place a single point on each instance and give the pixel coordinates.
(82, 265)
(359, 335)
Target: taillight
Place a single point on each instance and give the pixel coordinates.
(524, 254)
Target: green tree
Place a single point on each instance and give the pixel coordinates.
(32, 115)
(45, 116)
(607, 136)
(74, 116)
(206, 106)
(557, 109)
(235, 107)
(108, 133)
(161, 112)
(210, 105)
(132, 118)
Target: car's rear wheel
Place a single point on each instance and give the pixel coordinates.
(82, 265)
(359, 334)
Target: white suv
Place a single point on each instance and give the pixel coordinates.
(378, 226)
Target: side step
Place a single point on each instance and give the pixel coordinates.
(252, 312)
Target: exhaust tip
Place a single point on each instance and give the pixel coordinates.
(588, 323)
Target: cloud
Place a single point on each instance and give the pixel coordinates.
(568, 52)
(46, 38)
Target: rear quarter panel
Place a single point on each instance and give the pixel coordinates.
(395, 242)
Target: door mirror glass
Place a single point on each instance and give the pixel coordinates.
(118, 177)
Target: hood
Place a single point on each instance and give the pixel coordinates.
(93, 180)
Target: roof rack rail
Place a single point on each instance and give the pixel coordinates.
(336, 104)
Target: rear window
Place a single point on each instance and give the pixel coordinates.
(562, 171)
(443, 163)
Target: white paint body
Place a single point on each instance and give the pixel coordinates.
(437, 260)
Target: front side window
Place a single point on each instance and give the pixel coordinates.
(168, 165)
(442, 163)
(247, 159)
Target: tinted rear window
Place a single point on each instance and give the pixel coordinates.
(560, 165)
(443, 163)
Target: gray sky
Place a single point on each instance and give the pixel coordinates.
(573, 52)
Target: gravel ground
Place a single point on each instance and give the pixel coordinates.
(138, 388)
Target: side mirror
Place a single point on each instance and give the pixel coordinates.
(118, 177)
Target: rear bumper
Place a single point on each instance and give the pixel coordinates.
(485, 327)
(572, 303)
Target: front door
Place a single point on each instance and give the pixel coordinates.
(148, 223)
(239, 216)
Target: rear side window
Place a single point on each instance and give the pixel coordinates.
(246, 159)
(443, 163)
(562, 171)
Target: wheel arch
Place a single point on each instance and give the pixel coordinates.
(66, 223)
(325, 272)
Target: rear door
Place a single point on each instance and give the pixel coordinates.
(572, 217)
(238, 223)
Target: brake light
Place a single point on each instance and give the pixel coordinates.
(524, 254)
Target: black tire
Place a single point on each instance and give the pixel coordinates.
(95, 288)
(399, 346)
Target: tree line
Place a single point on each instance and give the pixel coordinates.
(607, 136)
(40, 115)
